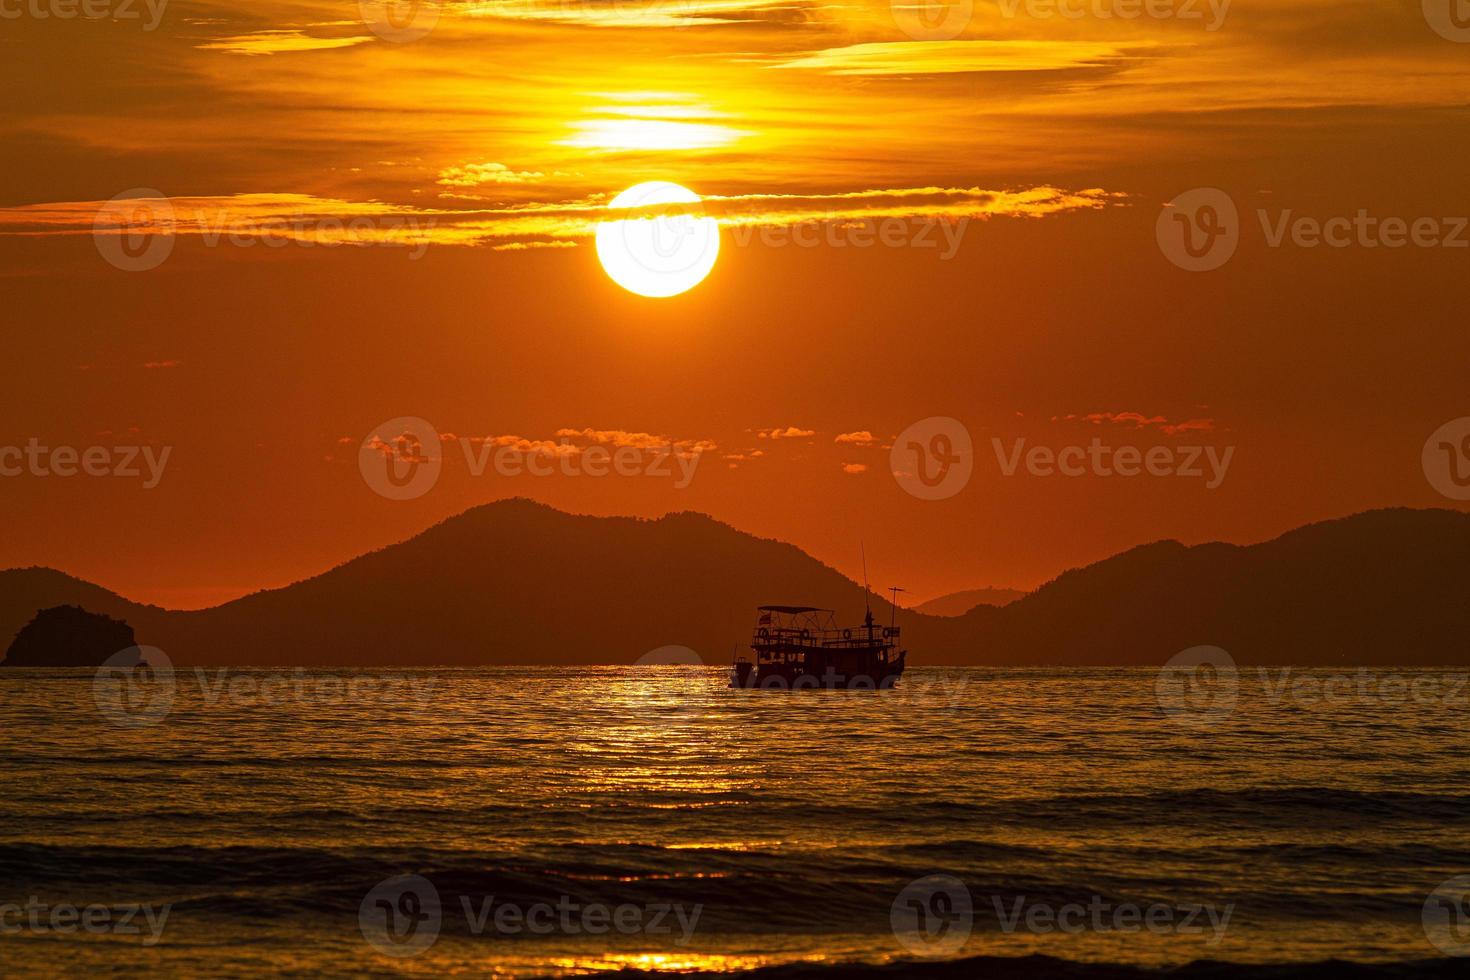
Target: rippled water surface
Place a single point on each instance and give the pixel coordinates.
(263, 807)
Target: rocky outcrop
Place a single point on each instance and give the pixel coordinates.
(68, 636)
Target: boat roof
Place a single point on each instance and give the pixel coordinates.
(792, 609)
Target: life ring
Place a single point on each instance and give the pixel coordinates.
(763, 632)
(847, 634)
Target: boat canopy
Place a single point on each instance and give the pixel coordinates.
(791, 610)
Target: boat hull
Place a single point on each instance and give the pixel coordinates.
(822, 670)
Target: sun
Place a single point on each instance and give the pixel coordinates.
(659, 255)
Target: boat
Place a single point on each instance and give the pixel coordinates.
(798, 647)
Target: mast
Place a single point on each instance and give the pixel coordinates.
(893, 607)
(867, 594)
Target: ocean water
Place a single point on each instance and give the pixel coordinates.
(543, 821)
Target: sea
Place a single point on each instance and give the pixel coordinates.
(562, 821)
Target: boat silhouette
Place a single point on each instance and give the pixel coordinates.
(796, 647)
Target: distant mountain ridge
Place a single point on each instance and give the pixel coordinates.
(516, 582)
(959, 603)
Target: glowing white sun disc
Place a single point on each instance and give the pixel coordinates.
(661, 255)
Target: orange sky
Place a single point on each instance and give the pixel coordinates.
(479, 157)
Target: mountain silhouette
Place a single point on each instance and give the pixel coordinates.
(959, 603)
(516, 582)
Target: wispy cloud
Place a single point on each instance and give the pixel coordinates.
(477, 174)
(1139, 420)
(950, 57)
(279, 42)
(304, 218)
(630, 13)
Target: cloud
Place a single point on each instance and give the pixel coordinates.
(860, 438)
(523, 246)
(949, 57)
(790, 432)
(1192, 425)
(1139, 420)
(638, 440)
(404, 447)
(337, 221)
(157, 365)
(854, 468)
(631, 13)
(479, 174)
(279, 42)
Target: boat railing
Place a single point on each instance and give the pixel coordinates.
(857, 636)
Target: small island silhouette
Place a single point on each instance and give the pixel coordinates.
(68, 636)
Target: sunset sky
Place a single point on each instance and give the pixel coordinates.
(478, 158)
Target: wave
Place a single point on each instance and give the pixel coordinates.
(780, 890)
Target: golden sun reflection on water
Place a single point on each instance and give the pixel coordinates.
(674, 962)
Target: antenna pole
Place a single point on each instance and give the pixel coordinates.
(867, 593)
(893, 608)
